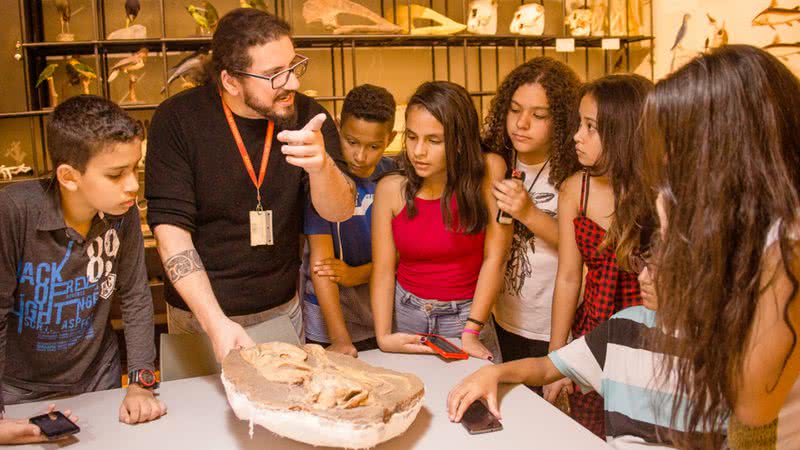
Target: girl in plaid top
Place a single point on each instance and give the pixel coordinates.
(591, 230)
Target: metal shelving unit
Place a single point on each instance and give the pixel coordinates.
(37, 53)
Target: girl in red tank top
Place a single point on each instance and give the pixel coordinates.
(597, 217)
(438, 255)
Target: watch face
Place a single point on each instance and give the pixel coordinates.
(147, 377)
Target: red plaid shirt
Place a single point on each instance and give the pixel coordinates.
(608, 289)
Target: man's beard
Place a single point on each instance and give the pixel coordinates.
(285, 121)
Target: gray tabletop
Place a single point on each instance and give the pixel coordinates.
(199, 417)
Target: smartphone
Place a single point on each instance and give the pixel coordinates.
(443, 347)
(504, 217)
(55, 425)
(477, 419)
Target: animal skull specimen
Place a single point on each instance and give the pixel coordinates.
(446, 25)
(528, 20)
(579, 22)
(482, 17)
(327, 12)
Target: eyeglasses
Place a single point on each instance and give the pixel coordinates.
(639, 261)
(280, 79)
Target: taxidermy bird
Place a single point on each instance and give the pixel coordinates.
(65, 11)
(80, 73)
(129, 64)
(257, 4)
(190, 70)
(678, 38)
(681, 31)
(717, 36)
(132, 8)
(46, 74)
(206, 16)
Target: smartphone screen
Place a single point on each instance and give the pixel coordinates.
(477, 419)
(55, 425)
(443, 344)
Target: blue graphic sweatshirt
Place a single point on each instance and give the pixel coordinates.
(56, 289)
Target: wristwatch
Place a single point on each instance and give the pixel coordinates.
(143, 377)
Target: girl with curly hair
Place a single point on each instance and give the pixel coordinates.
(528, 124)
(724, 147)
(609, 146)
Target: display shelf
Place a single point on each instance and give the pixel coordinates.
(324, 41)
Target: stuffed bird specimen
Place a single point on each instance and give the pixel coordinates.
(129, 64)
(205, 16)
(132, 8)
(46, 74)
(80, 73)
(257, 4)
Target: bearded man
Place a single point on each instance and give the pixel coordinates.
(229, 168)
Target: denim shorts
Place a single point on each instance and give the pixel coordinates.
(446, 318)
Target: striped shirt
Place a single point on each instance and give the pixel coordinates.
(617, 360)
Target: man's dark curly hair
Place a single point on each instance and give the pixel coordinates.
(236, 33)
(561, 86)
(370, 103)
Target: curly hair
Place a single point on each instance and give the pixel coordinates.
(237, 32)
(561, 86)
(370, 103)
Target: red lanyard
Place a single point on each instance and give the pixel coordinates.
(243, 151)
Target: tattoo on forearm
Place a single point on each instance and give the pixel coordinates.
(182, 265)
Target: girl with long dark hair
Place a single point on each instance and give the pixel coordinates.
(608, 146)
(434, 222)
(724, 150)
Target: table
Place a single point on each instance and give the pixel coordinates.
(199, 417)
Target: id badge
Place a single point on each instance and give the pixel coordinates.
(260, 228)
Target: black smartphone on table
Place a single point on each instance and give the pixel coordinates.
(477, 419)
(55, 425)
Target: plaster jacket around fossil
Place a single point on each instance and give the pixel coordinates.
(320, 398)
(482, 17)
(328, 11)
(528, 20)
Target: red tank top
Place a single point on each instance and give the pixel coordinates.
(436, 263)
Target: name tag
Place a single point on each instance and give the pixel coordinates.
(261, 228)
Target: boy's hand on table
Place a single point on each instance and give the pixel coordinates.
(481, 384)
(140, 405)
(21, 431)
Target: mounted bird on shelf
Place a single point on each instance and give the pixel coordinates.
(132, 8)
(47, 75)
(257, 4)
(65, 14)
(190, 70)
(79, 72)
(676, 47)
(130, 30)
(127, 66)
(205, 16)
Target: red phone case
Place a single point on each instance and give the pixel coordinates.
(445, 353)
